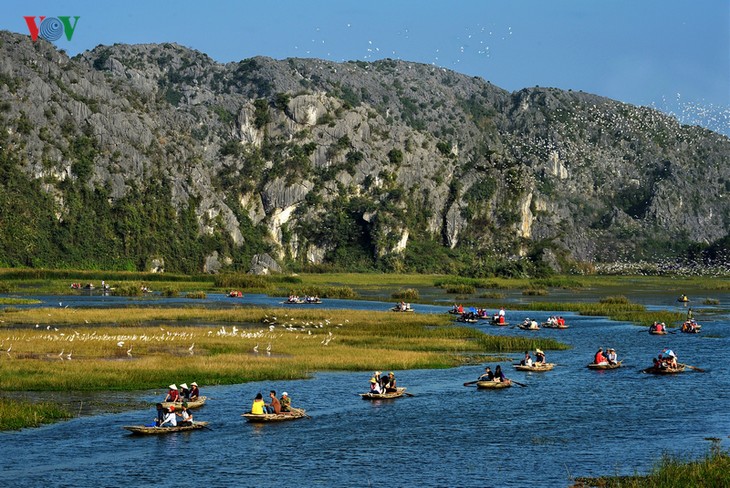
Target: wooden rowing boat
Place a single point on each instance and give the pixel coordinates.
(529, 327)
(604, 365)
(398, 309)
(652, 370)
(493, 385)
(142, 429)
(535, 367)
(384, 396)
(191, 403)
(658, 332)
(294, 414)
(546, 325)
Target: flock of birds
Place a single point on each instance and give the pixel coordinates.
(268, 336)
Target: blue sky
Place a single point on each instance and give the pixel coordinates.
(671, 54)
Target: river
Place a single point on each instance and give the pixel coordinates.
(565, 423)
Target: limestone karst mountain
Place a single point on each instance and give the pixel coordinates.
(156, 156)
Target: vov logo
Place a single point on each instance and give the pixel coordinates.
(51, 28)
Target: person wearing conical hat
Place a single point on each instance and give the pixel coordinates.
(375, 386)
(173, 395)
(185, 391)
(540, 356)
(194, 391)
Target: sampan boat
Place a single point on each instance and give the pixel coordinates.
(654, 370)
(535, 367)
(493, 385)
(293, 414)
(604, 365)
(199, 402)
(143, 429)
(399, 392)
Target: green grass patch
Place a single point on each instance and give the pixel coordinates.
(461, 289)
(711, 301)
(21, 414)
(196, 294)
(615, 300)
(493, 295)
(672, 472)
(409, 294)
(535, 291)
(18, 301)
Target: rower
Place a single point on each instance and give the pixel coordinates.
(487, 376)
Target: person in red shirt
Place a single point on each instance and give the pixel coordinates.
(173, 395)
(600, 358)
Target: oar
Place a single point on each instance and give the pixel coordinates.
(469, 383)
(695, 368)
(408, 394)
(518, 383)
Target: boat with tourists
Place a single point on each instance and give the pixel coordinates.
(235, 294)
(293, 414)
(528, 324)
(389, 394)
(536, 367)
(307, 300)
(691, 327)
(402, 307)
(198, 402)
(144, 429)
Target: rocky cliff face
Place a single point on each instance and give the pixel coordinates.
(174, 156)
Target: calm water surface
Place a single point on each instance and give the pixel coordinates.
(567, 422)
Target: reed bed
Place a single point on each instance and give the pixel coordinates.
(200, 295)
(672, 472)
(248, 345)
(16, 414)
(461, 289)
(410, 294)
(535, 291)
(711, 301)
(17, 301)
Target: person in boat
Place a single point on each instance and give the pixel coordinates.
(160, 414)
(258, 406)
(275, 405)
(460, 308)
(173, 395)
(539, 357)
(187, 417)
(170, 419)
(689, 313)
(611, 356)
(487, 376)
(285, 402)
(599, 357)
(194, 391)
(389, 382)
(498, 374)
(527, 360)
(670, 357)
(185, 392)
(375, 386)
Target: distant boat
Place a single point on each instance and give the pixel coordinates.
(294, 414)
